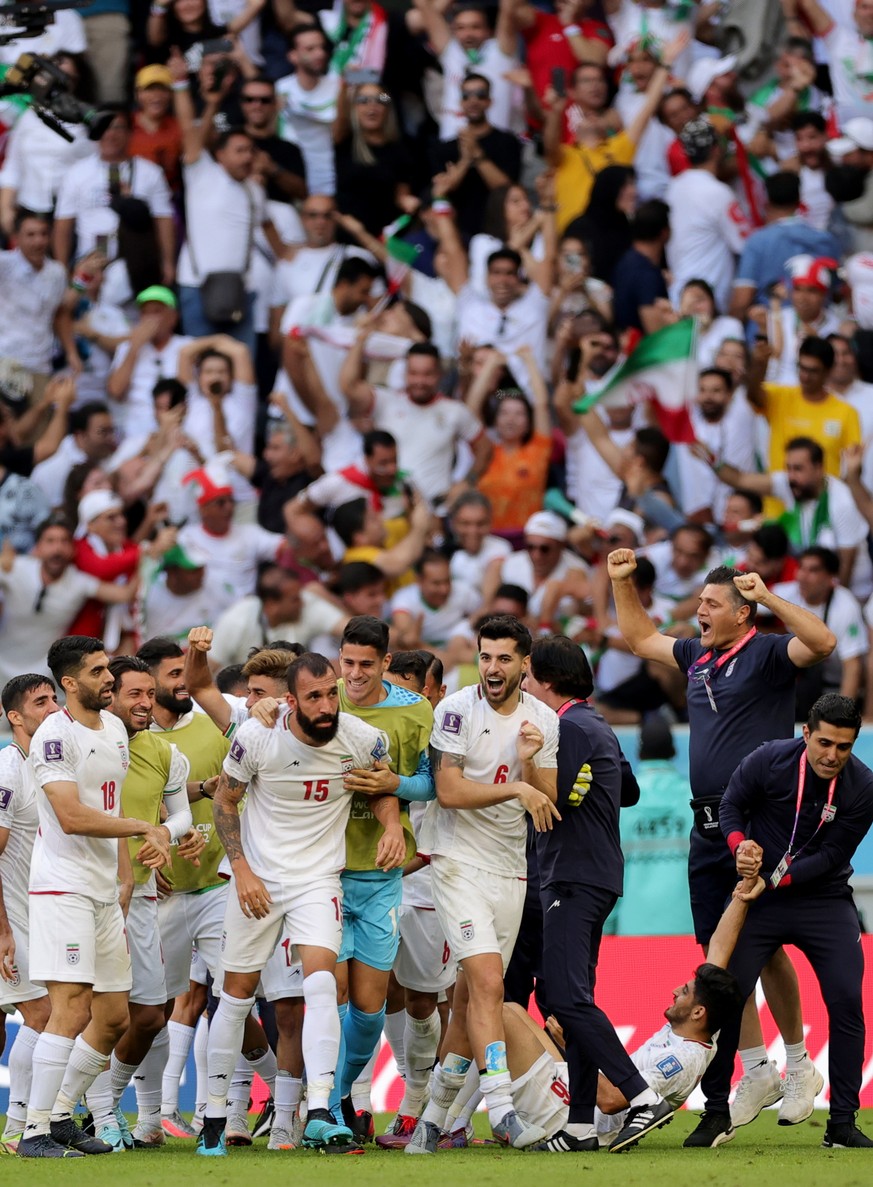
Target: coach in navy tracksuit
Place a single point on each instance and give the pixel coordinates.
(801, 808)
(741, 691)
(581, 873)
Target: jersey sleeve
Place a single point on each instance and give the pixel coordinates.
(241, 760)
(451, 728)
(676, 1073)
(179, 817)
(547, 758)
(54, 757)
(180, 768)
(685, 652)
(10, 783)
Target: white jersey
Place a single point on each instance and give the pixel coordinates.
(671, 1066)
(297, 806)
(465, 724)
(64, 751)
(19, 816)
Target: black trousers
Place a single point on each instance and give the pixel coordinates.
(524, 974)
(573, 919)
(827, 932)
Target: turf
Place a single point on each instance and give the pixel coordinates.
(762, 1152)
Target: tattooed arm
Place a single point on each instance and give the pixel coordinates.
(254, 900)
(455, 790)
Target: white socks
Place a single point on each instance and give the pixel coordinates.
(363, 1086)
(50, 1058)
(147, 1081)
(181, 1038)
(421, 1041)
(754, 1060)
(394, 1027)
(286, 1097)
(20, 1079)
(321, 1037)
(647, 1097)
(225, 1038)
(201, 1041)
(84, 1066)
(796, 1055)
(446, 1082)
(497, 1094)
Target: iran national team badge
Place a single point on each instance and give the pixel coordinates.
(451, 723)
(467, 929)
(125, 756)
(72, 953)
(347, 764)
(14, 977)
(730, 667)
(53, 751)
(379, 751)
(828, 812)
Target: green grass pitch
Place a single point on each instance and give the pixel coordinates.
(761, 1154)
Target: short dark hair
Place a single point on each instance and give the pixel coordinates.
(697, 282)
(653, 447)
(357, 575)
(353, 269)
(229, 678)
(424, 349)
(66, 656)
(514, 593)
(696, 529)
(808, 119)
(817, 348)
(430, 556)
(724, 376)
(159, 648)
(79, 417)
(300, 28)
(377, 437)
(223, 139)
(833, 709)
(348, 519)
(434, 664)
(756, 503)
(471, 498)
(724, 575)
(561, 663)
(16, 689)
(311, 662)
(801, 46)
(815, 451)
(366, 631)
(504, 253)
(23, 215)
(828, 558)
(55, 520)
(473, 76)
(410, 664)
(718, 992)
(127, 663)
(212, 353)
(783, 188)
(650, 222)
(644, 576)
(773, 541)
(505, 626)
(178, 391)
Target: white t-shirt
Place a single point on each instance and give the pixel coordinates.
(493, 64)
(166, 613)
(860, 396)
(465, 724)
(240, 407)
(707, 225)
(65, 751)
(630, 22)
(845, 618)
(784, 369)
(313, 270)
(427, 435)
(220, 214)
(846, 526)
(650, 158)
(732, 440)
(591, 484)
(858, 271)
(305, 119)
(135, 412)
(815, 202)
(37, 159)
(668, 583)
(19, 817)
(29, 300)
(332, 490)
(518, 570)
(433, 294)
(232, 568)
(522, 323)
(242, 626)
(709, 340)
(850, 57)
(297, 807)
(615, 666)
(469, 570)
(670, 1065)
(84, 196)
(25, 633)
(440, 624)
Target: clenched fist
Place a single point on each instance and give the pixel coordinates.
(621, 564)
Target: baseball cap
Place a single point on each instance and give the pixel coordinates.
(187, 556)
(704, 71)
(548, 524)
(95, 503)
(618, 517)
(154, 76)
(160, 293)
(698, 138)
(857, 133)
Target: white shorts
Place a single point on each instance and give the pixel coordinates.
(20, 988)
(75, 938)
(542, 1093)
(186, 921)
(199, 972)
(146, 955)
(311, 913)
(282, 975)
(478, 911)
(425, 962)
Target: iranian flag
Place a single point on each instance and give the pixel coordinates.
(661, 369)
(402, 255)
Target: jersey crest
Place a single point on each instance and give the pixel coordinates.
(451, 723)
(53, 750)
(237, 750)
(5, 798)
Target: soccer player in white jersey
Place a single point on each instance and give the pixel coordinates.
(494, 758)
(286, 854)
(157, 778)
(27, 701)
(78, 947)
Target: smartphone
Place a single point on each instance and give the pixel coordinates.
(101, 244)
(359, 78)
(217, 45)
(559, 81)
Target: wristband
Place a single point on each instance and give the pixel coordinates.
(441, 206)
(572, 31)
(182, 85)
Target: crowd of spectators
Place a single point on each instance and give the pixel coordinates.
(301, 335)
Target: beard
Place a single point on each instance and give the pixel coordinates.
(92, 700)
(173, 704)
(319, 729)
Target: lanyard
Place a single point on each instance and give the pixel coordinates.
(567, 705)
(697, 672)
(827, 812)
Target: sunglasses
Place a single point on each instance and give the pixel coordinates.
(539, 547)
(270, 594)
(478, 93)
(371, 100)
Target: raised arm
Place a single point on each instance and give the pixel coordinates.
(640, 633)
(435, 25)
(198, 678)
(812, 642)
(724, 938)
(817, 16)
(657, 86)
